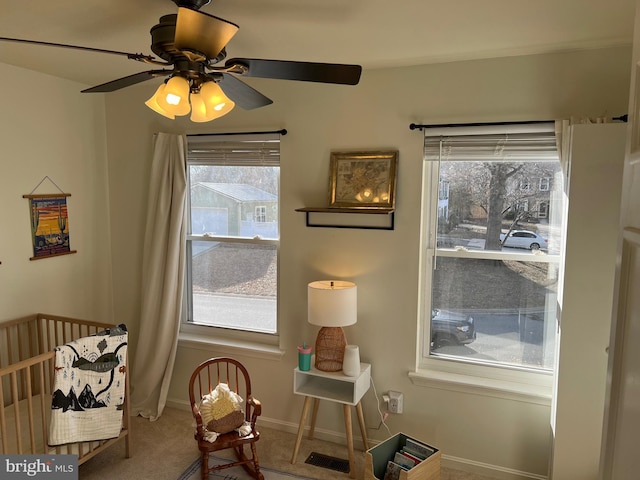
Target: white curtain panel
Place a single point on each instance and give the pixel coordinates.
(563, 139)
(163, 266)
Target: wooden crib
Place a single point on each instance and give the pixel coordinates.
(26, 384)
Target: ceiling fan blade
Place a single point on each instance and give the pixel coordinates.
(304, 71)
(203, 33)
(133, 56)
(245, 96)
(123, 82)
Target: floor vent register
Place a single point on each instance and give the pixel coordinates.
(326, 461)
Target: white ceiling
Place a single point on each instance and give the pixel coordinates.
(372, 33)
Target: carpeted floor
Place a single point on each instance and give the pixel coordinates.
(164, 449)
(236, 473)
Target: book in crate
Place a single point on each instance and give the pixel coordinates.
(401, 457)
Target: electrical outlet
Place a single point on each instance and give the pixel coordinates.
(396, 400)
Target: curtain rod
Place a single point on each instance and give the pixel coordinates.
(281, 132)
(414, 126)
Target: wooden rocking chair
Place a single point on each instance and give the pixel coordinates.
(204, 379)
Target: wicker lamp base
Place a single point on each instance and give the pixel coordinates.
(330, 345)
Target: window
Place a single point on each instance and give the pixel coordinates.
(543, 210)
(444, 190)
(260, 214)
(490, 273)
(522, 205)
(233, 232)
(543, 186)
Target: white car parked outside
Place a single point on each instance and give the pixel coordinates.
(524, 239)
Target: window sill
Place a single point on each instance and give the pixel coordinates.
(525, 256)
(490, 387)
(230, 346)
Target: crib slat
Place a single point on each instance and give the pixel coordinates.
(21, 356)
(16, 409)
(31, 338)
(9, 347)
(56, 332)
(32, 436)
(43, 407)
(40, 340)
(20, 352)
(126, 423)
(3, 421)
(47, 335)
(3, 332)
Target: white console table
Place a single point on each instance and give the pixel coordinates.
(335, 387)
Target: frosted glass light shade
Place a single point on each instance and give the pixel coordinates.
(332, 303)
(175, 96)
(215, 100)
(198, 108)
(153, 104)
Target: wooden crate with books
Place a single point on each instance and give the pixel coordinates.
(401, 457)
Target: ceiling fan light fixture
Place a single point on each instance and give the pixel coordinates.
(153, 104)
(172, 99)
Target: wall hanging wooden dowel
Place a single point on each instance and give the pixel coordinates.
(47, 195)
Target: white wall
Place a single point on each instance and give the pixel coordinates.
(49, 129)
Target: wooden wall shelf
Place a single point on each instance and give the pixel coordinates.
(362, 218)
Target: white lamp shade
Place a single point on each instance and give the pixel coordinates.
(332, 303)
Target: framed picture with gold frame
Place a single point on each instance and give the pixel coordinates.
(363, 180)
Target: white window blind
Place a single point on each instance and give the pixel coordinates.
(495, 147)
(239, 150)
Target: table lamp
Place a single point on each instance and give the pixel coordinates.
(332, 304)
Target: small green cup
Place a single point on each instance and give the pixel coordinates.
(304, 358)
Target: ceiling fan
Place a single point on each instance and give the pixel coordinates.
(191, 46)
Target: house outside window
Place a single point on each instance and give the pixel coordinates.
(233, 234)
(488, 307)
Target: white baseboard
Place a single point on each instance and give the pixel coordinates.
(493, 471)
(178, 405)
(447, 461)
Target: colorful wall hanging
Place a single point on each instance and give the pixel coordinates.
(49, 220)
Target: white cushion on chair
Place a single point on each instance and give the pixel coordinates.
(221, 410)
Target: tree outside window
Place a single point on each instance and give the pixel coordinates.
(493, 299)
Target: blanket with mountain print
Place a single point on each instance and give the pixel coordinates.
(89, 388)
